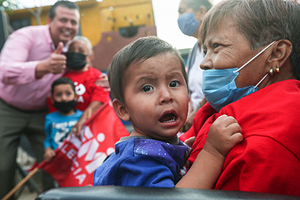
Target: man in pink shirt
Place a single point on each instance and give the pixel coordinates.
(30, 61)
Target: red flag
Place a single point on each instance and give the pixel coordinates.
(75, 160)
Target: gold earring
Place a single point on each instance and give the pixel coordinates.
(271, 72)
(277, 70)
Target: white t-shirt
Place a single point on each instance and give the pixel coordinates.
(195, 80)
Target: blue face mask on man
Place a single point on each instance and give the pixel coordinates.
(219, 86)
(188, 24)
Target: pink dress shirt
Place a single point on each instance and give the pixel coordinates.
(19, 57)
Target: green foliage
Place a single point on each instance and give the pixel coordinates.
(7, 5)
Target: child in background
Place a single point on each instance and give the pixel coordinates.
(90, 96)
(149, 88)
(58, 124)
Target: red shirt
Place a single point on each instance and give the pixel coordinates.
(268, 159)
(86, 89)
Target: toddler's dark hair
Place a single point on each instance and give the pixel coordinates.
(137, 52)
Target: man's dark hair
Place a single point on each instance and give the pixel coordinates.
(62, 80)
(63, 3)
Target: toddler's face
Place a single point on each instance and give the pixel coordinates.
(156, 96)
(63, 93)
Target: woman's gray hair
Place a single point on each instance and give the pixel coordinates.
(86, 40)
(261, 22)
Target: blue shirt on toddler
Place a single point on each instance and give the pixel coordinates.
(140, 161)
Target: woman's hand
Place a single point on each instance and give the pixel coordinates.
(103, 82)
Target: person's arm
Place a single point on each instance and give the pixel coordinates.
(16, 68)
(278, 173)
(223, 134)
(88, 112)
(203, 173)
(49, 152)
(98, 97)
(47, 128)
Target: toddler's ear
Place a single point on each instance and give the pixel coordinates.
(121, 110)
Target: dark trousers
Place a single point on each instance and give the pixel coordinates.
(14, 123)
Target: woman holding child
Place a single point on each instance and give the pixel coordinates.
(252, 71)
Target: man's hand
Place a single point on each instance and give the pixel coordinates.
(55, 64)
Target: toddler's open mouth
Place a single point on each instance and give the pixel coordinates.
(168, 117)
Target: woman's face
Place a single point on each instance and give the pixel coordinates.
(226, 47)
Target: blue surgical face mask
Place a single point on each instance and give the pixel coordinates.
(188, 24)
(219, 86)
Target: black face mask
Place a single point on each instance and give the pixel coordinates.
(64, 107)
(75, 60)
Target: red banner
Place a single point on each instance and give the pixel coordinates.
(76, 160)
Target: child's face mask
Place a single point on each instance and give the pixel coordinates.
(65, 107)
